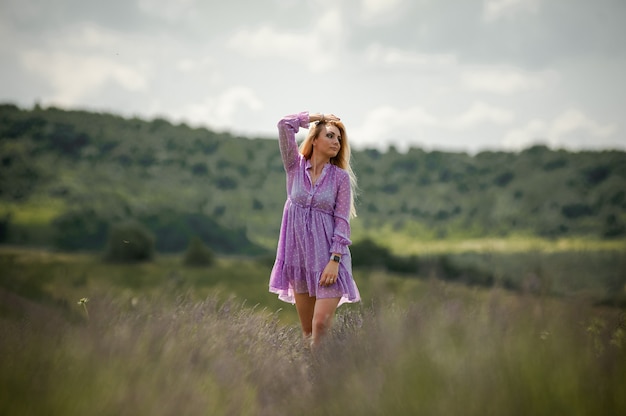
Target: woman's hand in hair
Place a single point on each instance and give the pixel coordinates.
(320, 116)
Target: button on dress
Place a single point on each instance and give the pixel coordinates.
(315, 223)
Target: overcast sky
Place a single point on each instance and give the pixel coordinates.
(460, 75)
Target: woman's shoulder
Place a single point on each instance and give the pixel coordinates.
(340, 173)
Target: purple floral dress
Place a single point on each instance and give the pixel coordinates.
(316, 223)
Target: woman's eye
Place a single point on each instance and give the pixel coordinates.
(329, 135)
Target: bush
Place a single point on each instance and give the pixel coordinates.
(226, 183)
(504, 179)
(173, 231)
(596, 175)
(555, 164)
(367, 253)
(80, 229)
(5, 224)
(403, 265)
(613, 227)
(576, 210)
(198, 254)
(129, 242)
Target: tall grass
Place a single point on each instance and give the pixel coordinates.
(448, 351)
(162, 339)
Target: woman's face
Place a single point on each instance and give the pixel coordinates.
(328, 141)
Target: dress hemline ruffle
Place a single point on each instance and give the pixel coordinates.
(286, 279)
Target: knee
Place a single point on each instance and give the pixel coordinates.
(321, 323)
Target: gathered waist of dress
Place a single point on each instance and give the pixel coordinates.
(310, 207)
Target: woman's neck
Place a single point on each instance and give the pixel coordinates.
(318, 163)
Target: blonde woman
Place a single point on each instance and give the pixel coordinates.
(313, 267)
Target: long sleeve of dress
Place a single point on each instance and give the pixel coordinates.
(288, 126)
(341, 234)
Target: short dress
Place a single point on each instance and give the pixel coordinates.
(315, 223)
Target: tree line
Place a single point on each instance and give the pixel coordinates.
(67, 177)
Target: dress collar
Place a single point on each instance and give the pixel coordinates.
(309, 165)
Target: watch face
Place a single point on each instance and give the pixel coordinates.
(336, 258)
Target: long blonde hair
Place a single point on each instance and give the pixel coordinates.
(342, 160)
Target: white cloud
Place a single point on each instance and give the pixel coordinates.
(74, 76)
(377, 54)
(236, 96)
(497, 9)
(387, 125)
(506, 80)
(221, 112)
(323, 41)
(88, 37)
(405, 127)
(495, 79)
(480, 113)
(170, 10)
(80, 59)
(373, 9)
(573, 120)
(267, 42)
(413, 82)
(534, 132)
(205, 67)
(571, 129)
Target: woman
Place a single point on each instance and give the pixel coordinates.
(313, 268)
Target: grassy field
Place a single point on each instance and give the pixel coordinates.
(404, 242)
(159, 338)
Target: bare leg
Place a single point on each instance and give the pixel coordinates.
(305, 305)
(322, 318)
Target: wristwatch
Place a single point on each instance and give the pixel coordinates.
(335, 258)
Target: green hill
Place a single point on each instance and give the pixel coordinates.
(67, 176)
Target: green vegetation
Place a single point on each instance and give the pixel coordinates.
(129, 242)
(158, 338)
(198, 254)
(67, 176)
(136, 254)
